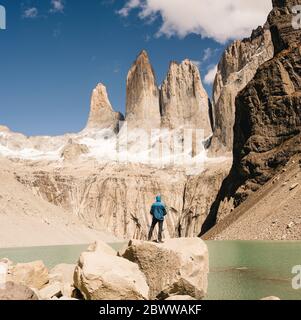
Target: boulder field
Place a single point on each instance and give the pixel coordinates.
(142, 270)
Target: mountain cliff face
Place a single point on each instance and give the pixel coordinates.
(142, 102)
(102, 115)
(184, 101)
(267, 130)
(268, 119)
(27, 220)
(117, 198)
(237, 67)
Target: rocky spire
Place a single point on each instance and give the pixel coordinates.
(184, 101)
(102, 115)
(142, 102)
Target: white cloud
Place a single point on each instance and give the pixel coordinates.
(197, 63)
(210, 76)
(30, 13)
(57, 6)
(220, 20)
(207, 54)
(131, 4)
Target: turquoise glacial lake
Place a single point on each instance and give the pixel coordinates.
(239, 270)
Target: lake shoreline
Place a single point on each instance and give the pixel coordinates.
(250, 269)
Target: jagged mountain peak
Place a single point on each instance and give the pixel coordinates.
(4, 129)
(102, 115)
(184, 101)
(143, 61)
(143, 54)
(142, 104)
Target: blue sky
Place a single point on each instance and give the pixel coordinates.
(53, 53)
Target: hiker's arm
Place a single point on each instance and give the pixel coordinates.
(151, 210)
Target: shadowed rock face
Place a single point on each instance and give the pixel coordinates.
(267, 130)
(184, 101)
(142, 102)
(102, 115)
(280, 19)
(268, 111)
(235, 70)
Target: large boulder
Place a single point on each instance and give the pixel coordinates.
(33, 274)
(14, 291)
(176, 267)
(101, 276)
(63, 274)
(51, 290)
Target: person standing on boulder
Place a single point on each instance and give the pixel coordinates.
(158, 211)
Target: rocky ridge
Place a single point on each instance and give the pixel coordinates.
(181, 103)
(268, 113)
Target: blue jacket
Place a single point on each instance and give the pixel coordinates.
(158, 210)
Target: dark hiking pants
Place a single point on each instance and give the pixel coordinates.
(154, 223)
